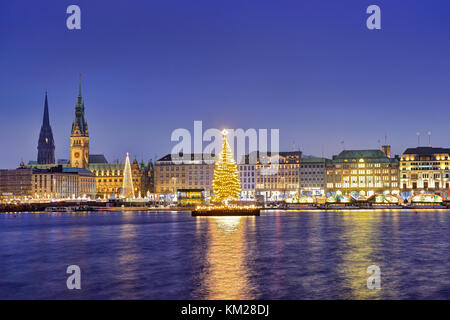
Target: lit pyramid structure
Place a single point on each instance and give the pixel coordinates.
(127, 187)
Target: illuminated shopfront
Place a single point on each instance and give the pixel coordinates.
(427, 198)
(425, 169)
(365, 172)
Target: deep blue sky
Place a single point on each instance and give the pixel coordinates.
(310, 68)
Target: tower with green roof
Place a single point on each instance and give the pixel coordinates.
(79, 137)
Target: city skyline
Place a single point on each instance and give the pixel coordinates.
(270, 69)
(423, 139)
(211, 157)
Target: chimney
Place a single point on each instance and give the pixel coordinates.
(386, 150)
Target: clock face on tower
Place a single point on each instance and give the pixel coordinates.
(77, 154)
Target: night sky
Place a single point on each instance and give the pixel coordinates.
(310, 68)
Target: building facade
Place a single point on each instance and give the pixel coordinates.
(425, 169)
(312, 176)
(247, 175)
(56, 182)
(363, 171)
(277, 176)
(109, 177)
(196, 171)
(63, 182)
(46, 144)
(16, 183)
(79, 136)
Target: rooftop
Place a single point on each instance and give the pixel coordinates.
(368, 155)
(426, 151)
(106, 166)
(97, 158)
(313, 160)
(361, 154)
(191, 156)
(62, 169)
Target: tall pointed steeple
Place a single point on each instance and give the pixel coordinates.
(46, 120)
(46, 144)
(79, 115)
(80, 98)
(79, 137)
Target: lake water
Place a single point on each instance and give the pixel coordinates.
(279, 255)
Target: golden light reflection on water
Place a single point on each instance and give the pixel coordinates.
(127, 256)
(226, 275)
(360, 236)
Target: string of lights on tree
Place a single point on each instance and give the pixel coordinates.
(127, 188)
(226, 183)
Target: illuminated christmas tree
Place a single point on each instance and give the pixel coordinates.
(226, 184)
(127, 187)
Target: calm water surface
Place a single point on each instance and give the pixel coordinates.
(279, 255)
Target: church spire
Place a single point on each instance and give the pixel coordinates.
(46, 144)
(46, 119)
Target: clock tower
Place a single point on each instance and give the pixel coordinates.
(79, 137)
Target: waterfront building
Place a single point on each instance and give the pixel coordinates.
(195, 172)
(247, 176)
(109, 176)
(16, 183)
(79, 137)
(150, 177)
(362, 171)
(63, 182)
(277, 176)
(425, 169)
(312, 176)
(46, 144)
(47, 183)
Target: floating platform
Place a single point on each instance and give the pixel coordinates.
(226, 212)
